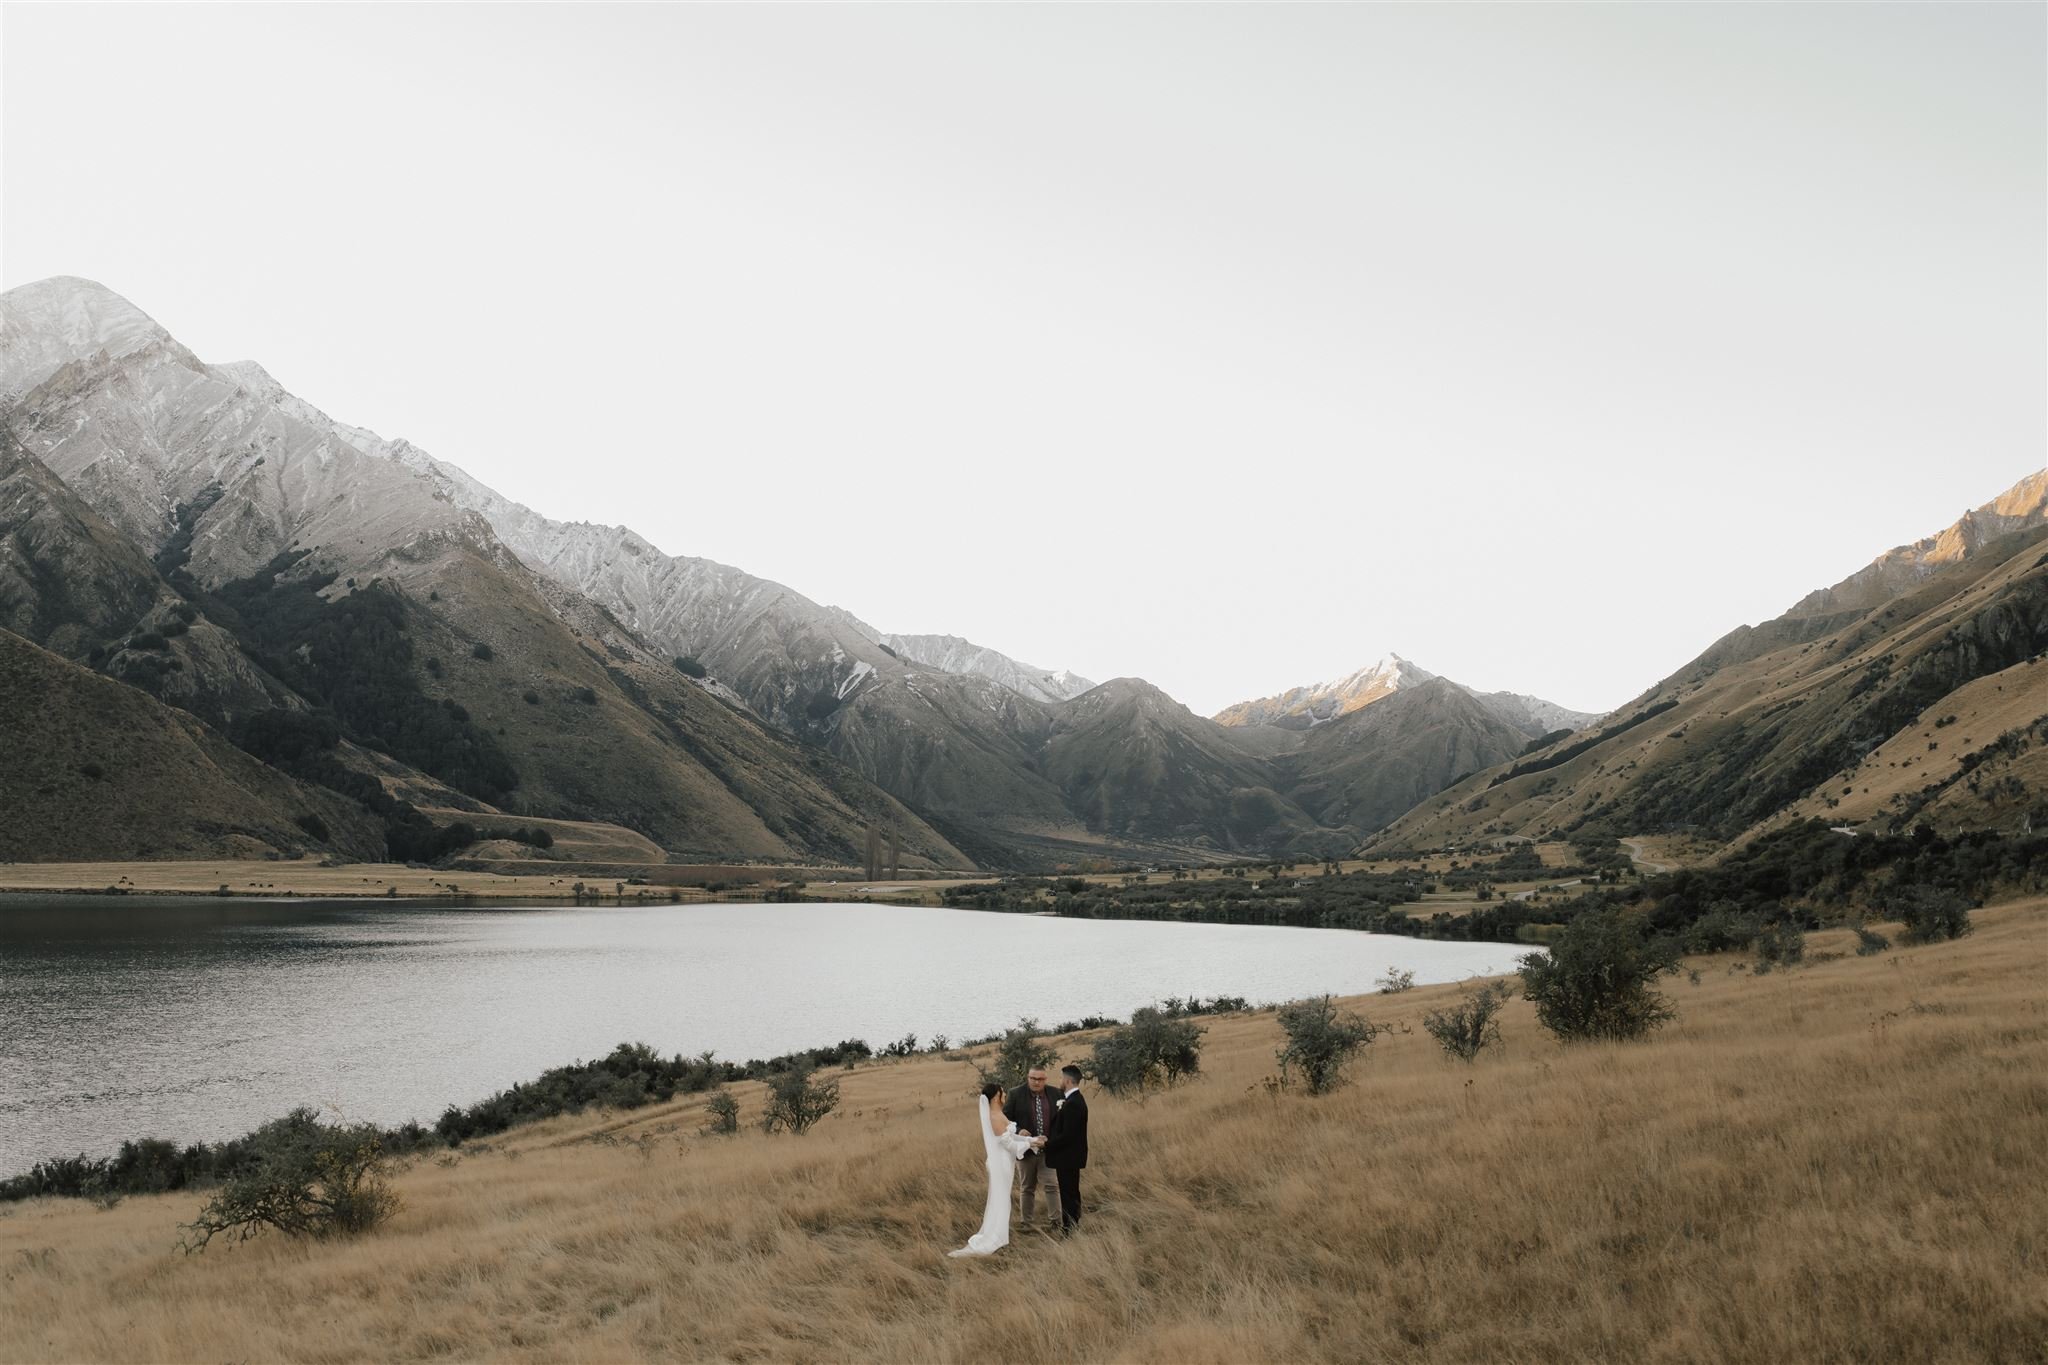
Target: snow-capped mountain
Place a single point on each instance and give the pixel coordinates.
(1304, 708)
(1299, 708)
(951, 654)
(218, 475)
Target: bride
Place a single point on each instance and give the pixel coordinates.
(1002, 1145)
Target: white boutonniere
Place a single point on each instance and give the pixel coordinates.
(1059, 1104)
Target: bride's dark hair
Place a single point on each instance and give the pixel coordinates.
(991, 1090)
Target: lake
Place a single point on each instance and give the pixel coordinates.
(192, 1018)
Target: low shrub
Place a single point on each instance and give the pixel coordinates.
(1155, 1048)
(1017, 1052)
(1779, 945)
(1396, 981)
(1594, 983)
(303, 1178)
(1472, 1025)
(1930, 914)
(1321, 1041)
(724, 1110)
(796, 1101)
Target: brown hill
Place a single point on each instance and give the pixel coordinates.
(1799, 714)
(92, 769)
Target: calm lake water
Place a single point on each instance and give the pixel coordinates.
(189, 1018)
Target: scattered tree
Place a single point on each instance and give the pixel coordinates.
(796, 1102)
(1156, 1048)
(1594, 983)
(1396, 981)
(305, 1178)
(1470, 1026)
(1019, 1050)
(724, 1110)
(1930, 914)
(1320, 1041)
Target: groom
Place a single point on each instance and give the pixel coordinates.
(1066, 1147)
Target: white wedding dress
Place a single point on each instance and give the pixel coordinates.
(1002, 1154)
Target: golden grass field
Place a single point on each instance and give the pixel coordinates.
(1845, 1162)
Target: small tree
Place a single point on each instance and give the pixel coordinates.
(1396, 981)
(1320, 1041)
(304, 1178)
(1595, 980)
(1017, 1053)
(1471, 1026)
(1869, 942)
(1779, 945)
(1931, 915)
(796, 1102)
(724, 1110)
(1155, 1048)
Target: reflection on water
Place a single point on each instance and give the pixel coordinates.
(191, 1018)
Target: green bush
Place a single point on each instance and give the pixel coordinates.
(1019, 1050)
(1395, 981)
(1472, 1025)
(482, 651)
(1930, 914)
(1594, 983)
(1320, 1042)
(1155, 1048)
(1779, 945)
(1869, 942)
(305, 1178)
(796, 1102)
(724, 1110)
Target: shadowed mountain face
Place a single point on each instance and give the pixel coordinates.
(149, 488)
(1855, 714)
(96, 770)
(1366, 768)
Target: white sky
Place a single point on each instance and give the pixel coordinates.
(1226, 347)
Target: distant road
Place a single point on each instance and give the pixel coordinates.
(1524, 895)
(1635, 852)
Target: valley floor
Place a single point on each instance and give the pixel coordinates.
(1843, 1162)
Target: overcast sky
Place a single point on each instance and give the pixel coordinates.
(1226, 347)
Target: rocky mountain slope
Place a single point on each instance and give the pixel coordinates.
(208, 492)
(1303, 708)
(1838, 707)
(1369, 766)
(201, 532)
(951, 654)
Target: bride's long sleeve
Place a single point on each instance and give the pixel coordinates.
(1015, 1143)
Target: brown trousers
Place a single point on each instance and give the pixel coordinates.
(1032, 1176)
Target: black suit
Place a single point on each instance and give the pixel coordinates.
(1018, 1110)
(1066, 1151)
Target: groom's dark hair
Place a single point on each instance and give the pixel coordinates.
(1072, 1073)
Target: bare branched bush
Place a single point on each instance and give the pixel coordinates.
(1472, 1025)
(796, 1102)
(303, 1178)
(1396, 981)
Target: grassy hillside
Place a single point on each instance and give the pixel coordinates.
(1792, 714)
(1839, 1162)
(94, 769)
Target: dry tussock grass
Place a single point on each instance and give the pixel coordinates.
(1842, 1162)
